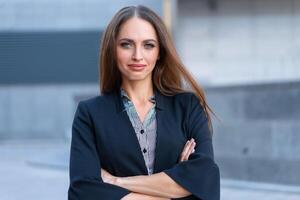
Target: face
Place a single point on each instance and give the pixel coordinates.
(137, 50)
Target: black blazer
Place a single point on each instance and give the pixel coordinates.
(102, 136)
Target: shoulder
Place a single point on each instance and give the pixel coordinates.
(185, 96)
(186, 99)
(182, 104)
(100, 102)
(189, 104)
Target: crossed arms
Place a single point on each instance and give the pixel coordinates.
(154, 187)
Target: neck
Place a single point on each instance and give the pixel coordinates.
(138, 91)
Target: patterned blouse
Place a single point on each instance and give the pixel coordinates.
(145, 131)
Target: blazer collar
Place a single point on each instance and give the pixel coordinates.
(159, 98)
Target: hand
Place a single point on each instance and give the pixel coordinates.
(188, 149)
(107, 177)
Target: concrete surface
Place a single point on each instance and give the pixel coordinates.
(36, 169)
(257, 136)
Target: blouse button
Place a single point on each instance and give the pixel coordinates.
(142, 131)
(144, 150)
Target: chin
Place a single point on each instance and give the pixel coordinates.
(135, 77)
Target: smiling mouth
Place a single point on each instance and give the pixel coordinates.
(137, 67)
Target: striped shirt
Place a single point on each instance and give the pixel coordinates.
(145, 131)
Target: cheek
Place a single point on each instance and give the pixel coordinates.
(151, 57)
(123, 56)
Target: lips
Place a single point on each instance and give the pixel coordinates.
(137, 67)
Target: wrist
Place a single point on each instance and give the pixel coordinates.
(119, 181)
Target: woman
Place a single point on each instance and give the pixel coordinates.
(146, 136)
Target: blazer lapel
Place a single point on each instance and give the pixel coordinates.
(170, 138)
(160, 137)
(161, 155)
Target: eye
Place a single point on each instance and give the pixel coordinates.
(149, 46)
(126, 45)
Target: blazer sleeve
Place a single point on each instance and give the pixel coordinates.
(199, 175)
(85, 165)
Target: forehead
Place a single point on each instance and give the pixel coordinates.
(137, 29)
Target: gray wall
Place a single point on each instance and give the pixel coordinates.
(258, 135)
(58, 15)
(40, 111)
(240, 41)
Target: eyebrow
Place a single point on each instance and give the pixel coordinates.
(132, 41)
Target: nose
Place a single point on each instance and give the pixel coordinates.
(137, 54)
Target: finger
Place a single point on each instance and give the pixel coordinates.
(193, 145)
(185, 149)
(190, 150)
(190, 143)
(186, 145)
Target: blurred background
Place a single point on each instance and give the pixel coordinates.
(245, 53)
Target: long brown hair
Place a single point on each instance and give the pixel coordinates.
(169, 75)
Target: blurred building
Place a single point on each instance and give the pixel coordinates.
(48, 61)
(229, 42)
(245, 52)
